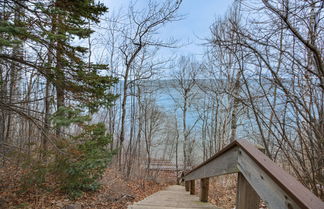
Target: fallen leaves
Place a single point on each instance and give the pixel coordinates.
(223, 191)
(116, 192)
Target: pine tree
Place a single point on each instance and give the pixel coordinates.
(57, 25)
(48, 31)
(70, 21)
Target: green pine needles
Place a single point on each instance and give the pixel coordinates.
(83, 157)
(71, 149)
(77, 161)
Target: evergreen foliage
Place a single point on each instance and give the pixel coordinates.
(53, 28)
(86, 81)
(84, 157)
(81, 160)
(42, 37)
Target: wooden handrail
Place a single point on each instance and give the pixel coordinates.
(276, 187)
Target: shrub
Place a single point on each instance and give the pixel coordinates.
(77, 161)
(82, 158)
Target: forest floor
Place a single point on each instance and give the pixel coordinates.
(115, 192)
(222, 191)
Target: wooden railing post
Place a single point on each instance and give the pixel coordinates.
(192, 187)
(204, 187)
(187, 185)
(246, 197)
(257, 173)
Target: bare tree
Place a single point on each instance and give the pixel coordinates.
(282, 75)
(185, 76)
(137, 34)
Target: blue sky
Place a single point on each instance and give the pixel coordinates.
(198, 17)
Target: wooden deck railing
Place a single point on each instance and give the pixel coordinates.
(258, 177)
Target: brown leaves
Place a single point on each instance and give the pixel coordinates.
(223, 191)
(115, 193)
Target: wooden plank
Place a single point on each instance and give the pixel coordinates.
(172, 197)
(296, 192)
(216, 155)
(192, 187)
(204, 187)
(275, 186)
(246, 197)
(273, 196)
(187, 186)
(223, 164)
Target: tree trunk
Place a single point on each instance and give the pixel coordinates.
(185, 136)
(60, 85)
(46, 126)
(235, 106)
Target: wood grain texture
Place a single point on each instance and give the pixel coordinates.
(204, 188)
(273, 196)
(224, 164)
(296, 192)
(187, 183)
(246, 197)
(277, 188)
(192, 187)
